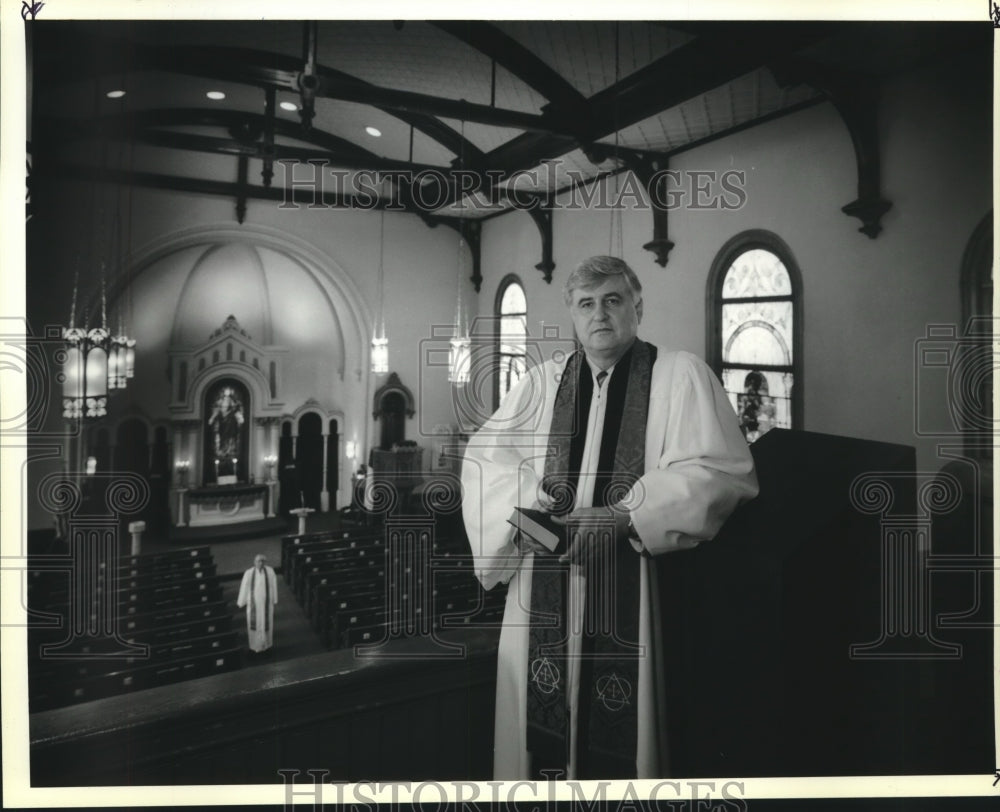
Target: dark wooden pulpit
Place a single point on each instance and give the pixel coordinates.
(796, 640)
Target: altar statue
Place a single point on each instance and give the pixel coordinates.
(226, 422)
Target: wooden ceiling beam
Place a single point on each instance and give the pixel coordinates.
(389, 99)
(697, 67)
(312, 195)
(242, 65)
(228, 146)
(435, 183)
(564, 100)
(56, 130)
(725, 54)
(244, 127)
(59, 170)
(720, 53)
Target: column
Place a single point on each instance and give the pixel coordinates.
(271, 498)
(324, 496)
(272, 485)
(341, 468)
(189, 453)
(270, 444)
(182, 507)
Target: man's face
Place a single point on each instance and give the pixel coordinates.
(605, 319)
(258, 562)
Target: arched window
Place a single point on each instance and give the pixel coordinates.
(512, 334)
(755, 331)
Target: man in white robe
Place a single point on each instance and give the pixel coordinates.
(697, 466)
(259, 594)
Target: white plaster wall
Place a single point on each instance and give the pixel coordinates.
(866, 302)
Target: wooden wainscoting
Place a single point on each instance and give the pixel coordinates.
(416, 715)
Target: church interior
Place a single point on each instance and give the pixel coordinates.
(278, 272)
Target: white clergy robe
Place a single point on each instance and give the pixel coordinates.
(260, 610)
(698, 468)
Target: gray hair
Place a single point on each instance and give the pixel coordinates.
(592, 272)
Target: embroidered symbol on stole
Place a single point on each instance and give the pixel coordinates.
(545, 674)
(614, 691)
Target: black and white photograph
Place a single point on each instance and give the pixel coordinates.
(456, 407)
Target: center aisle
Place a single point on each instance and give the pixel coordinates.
(293, 637)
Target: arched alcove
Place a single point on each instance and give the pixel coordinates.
(392, 405)
(309, 458)
(289, 291)
(132, 446)
(263, 306)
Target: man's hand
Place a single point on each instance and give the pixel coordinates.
(526, 544)
(588, 531)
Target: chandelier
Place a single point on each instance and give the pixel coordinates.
(85, 370)
(97, 360)
(121, 358)
(460, 356)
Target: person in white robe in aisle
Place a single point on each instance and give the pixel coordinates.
(259, 594)
(696, 470)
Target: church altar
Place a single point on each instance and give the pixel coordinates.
(225, 504)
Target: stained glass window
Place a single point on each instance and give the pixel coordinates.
(512, 315)
(753, 332)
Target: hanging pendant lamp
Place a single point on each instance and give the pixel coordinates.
(380, 343)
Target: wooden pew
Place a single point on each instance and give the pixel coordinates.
(328, 597)
(48, 584)
(290, 543)
(160, 624)
(333, 572)
(167, 559)
(68, 691)
(305, 553)
(158, 653)
(365, 551)
(143, 583)
(171, 603)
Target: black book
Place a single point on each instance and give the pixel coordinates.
(540, 526)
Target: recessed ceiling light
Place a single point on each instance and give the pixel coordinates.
(290, 106)
(115, 94)
(216, 95)
(373, 131)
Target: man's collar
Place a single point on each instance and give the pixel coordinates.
(595, 366)
(595, 370)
